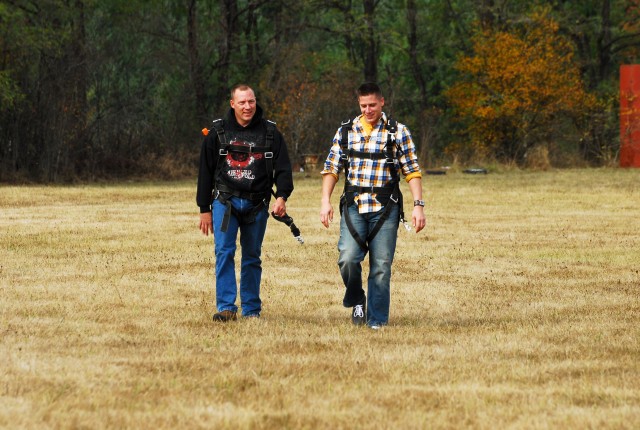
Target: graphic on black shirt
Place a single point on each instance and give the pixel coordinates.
(241, 165)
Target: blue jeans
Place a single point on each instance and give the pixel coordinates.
(381, 251)
(251, 237)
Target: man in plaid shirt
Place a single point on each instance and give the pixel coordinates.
(369, 207)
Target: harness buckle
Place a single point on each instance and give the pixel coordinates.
(268, 154)
(223, 151)
(390, 160)
(344, 157)
(392, 199)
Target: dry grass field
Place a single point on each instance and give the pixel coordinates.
(517, 307)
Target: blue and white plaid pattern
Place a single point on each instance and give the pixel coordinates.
(364, 172)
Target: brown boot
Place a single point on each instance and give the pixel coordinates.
(225, 316)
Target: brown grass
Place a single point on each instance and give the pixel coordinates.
(518, 307)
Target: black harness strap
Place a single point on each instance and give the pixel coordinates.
(271, 131)
(370, 155)
(344, 145)
(224, 149)
(223, 192)
(218, 126)
(344, 199)
(385, 191)
(390, 194)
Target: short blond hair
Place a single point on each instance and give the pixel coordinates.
(241, 87)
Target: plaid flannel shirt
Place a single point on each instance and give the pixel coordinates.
(364, 172)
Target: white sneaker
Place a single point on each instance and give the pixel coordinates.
(358, 315)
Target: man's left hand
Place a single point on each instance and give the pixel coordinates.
(418, 219)
(279, 207)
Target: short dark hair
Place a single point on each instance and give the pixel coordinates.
(369, 88)
(241, 87)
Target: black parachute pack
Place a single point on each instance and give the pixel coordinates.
(388, 195)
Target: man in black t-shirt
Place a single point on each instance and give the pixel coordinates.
(239, 164)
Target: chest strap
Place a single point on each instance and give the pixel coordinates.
(226, 148)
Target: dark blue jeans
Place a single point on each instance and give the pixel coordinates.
(381, 251)
(251, 237)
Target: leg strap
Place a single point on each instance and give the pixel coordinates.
(344, 209)
(227, 213)
(395, 198)
(246, 218)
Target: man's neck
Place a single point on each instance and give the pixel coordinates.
(242, 123)
(367, 126)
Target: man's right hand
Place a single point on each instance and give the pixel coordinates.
(326, 213)
(326, 210)
(206, 223)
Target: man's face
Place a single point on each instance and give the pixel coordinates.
(371, 107)
(243, 104)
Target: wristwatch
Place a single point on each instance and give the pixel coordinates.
(418, 203)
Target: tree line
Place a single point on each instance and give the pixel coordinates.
(93, 89)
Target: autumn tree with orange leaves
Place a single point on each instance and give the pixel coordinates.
(519, 87)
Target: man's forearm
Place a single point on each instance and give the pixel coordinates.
(415, 185)
(328, 184)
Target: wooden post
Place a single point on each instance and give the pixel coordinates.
(630, 116)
